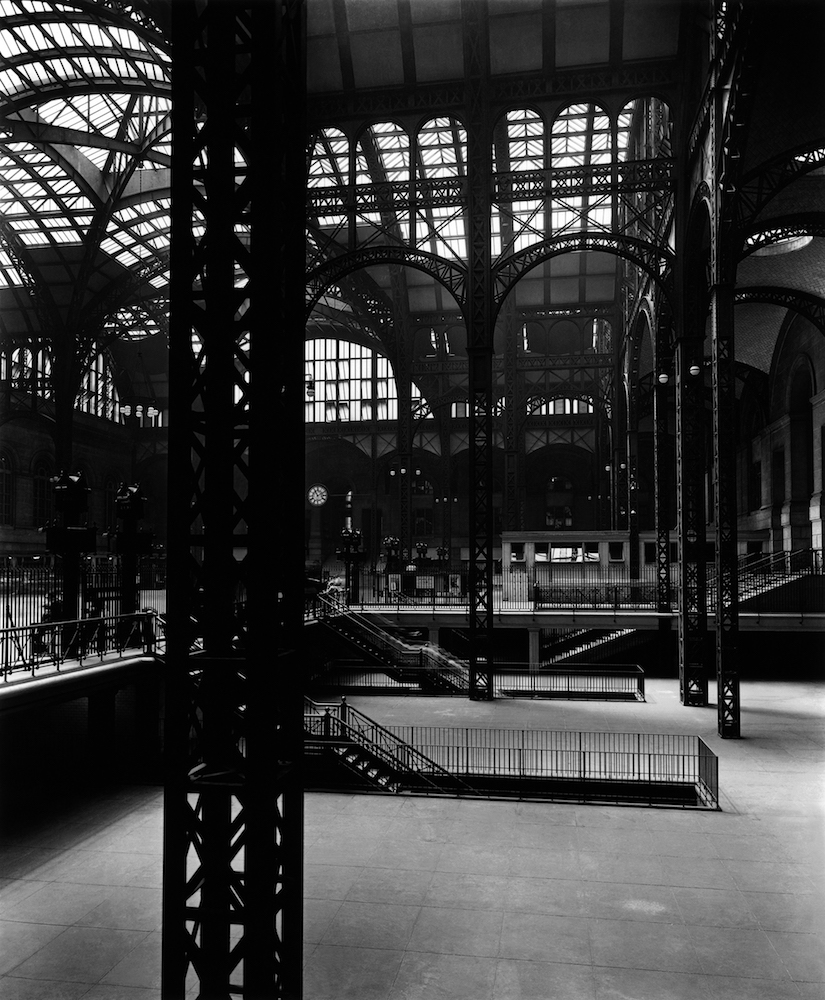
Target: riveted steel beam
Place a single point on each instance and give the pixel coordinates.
(233, 822)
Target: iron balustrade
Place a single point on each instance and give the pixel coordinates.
(584, 680)
(649, 759)
(331, 723)
(52, 645)
(593, 586)
(395, 651)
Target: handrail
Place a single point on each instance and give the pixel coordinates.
(44, 645)
(350, 724)
(401, 652)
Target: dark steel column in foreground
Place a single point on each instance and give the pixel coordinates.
(233, 802)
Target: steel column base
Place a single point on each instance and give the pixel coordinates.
(694, 691)
(728, 707)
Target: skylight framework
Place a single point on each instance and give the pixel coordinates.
(85, 144)
(441, 164)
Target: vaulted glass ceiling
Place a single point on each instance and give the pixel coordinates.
(85, 147)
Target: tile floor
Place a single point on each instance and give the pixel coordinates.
(423, 899)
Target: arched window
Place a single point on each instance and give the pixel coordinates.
(98, 394)
(6, 491)
(346, 381)
(382, 156)
(328, 179)
(580, 154)
(442, 161)
(519, 148)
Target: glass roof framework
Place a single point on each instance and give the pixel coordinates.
(84, 162)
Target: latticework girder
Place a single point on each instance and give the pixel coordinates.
(233, 804)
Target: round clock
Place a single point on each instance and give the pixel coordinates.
(317, 495)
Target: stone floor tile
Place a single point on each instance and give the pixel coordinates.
(80, 954)
(714, 907)
(330, 881)
(549, 896)
(351, 973)
(13, 988)
(528, 980)
(448, 931)
(737, 951)
(803, 954)
(784, 911)
(467, 890)
(628, 901)
(545, 938)
(529, 862)
(621, 868)
(644, 946)
(444, 977)
(127, 908)
(57, 903)
(19, 941)
(384, 885)
(140, 968)
(318, 915)
(371, 925)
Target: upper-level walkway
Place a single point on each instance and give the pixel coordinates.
(58, 661)
(783, 591)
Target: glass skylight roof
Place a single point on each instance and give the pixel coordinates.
(92, 90)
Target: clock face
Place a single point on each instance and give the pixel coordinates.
(317, 495)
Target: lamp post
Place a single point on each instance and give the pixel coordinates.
(393, 545)
(421, 548)
(443, 554)
(352, 555)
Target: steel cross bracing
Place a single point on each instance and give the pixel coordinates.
(690, 472)
(663, 362)
(724, 445)
(233, 800)
(480, 353)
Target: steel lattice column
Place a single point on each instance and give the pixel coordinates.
(480, 354)
(690, 470)
(724, 460)
(233, 803)
(661, 459)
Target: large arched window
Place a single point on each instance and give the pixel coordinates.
(382, 156)
(98, 394)
(580, 155)
(442, 161)
(518, 220)
(347, 381)
(327, 179)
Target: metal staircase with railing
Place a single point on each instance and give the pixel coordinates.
(426, 664)
(345, 748)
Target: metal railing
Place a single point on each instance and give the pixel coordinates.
(616, 758)
(396, 652)
(45, 646)
(584, 680)
(579, 586)
(341, 723)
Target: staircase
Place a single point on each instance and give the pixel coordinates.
(596, 645)
(345, 748)
(433, 668)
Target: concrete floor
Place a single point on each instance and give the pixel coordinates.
(443, 899)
